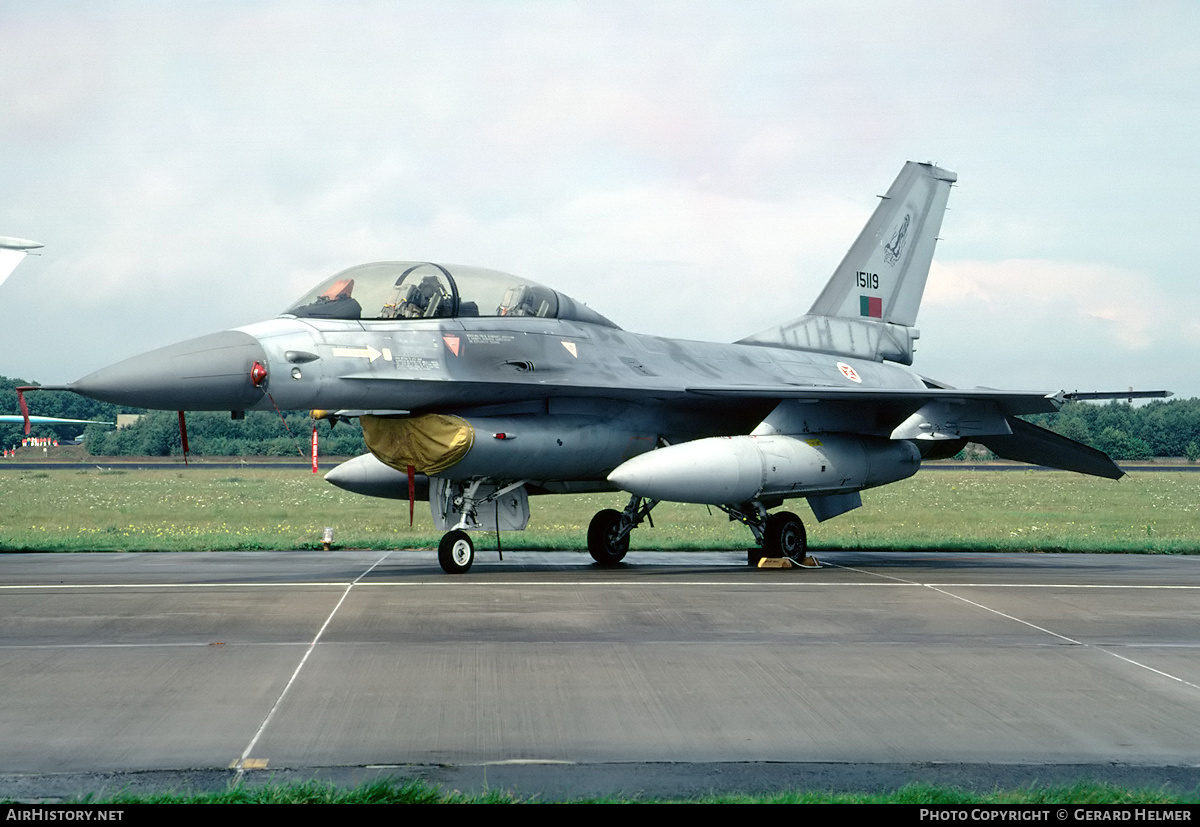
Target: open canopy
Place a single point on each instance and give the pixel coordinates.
(422, 290)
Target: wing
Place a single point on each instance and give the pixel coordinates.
(982, 415)
(1013, 403)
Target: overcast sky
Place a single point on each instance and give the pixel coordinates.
(691, 169)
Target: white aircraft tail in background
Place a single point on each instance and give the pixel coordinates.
(12, 250)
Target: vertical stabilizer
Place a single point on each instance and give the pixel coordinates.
(869, 306)
(883, 275)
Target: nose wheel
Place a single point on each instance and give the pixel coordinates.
(456, 552)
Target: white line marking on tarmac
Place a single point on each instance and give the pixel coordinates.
(442, 581)
(241, 763)
(69, 586)
(942, 590)
(1008, 616)
(899, 580)
(136, 645)
(1058, 586)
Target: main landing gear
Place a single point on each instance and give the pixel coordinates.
(777, 535)
(784, 536)
(608, 532)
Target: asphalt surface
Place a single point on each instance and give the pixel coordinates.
(676, 673)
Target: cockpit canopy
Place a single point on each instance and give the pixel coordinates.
(421, 290)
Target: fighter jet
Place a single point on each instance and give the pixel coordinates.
(478, 388)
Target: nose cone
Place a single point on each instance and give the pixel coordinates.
(211, 373)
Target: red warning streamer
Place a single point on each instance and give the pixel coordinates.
(412, 493)
(183, 437)
(24, 407)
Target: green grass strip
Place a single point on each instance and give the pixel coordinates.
(190, 509)
(420, 792)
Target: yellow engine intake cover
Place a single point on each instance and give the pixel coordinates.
(429, 443)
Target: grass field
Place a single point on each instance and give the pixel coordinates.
(263, 508)
(418, 792)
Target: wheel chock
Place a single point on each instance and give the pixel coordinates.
(808, 562)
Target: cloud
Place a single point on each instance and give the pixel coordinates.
(1127, 304)
(693, 169)
(1047, 325)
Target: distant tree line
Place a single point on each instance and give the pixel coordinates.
(1168, 428)
(48, 403)
(215, 433)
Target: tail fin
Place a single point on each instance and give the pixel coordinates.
(883, 275)
(12, 250)
(869, 306)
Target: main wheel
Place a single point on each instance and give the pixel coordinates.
(603, 544)
(456, 552)
(784, 536)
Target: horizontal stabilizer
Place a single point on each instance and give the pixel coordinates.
(1038, 446)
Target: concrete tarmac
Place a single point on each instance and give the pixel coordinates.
(675, 672)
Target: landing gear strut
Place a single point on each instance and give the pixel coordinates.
(476, 504)
(608, 533)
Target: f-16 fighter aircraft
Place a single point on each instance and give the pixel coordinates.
(480, 388)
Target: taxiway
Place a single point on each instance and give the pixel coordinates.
(543, 665)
